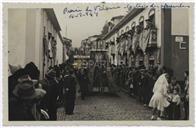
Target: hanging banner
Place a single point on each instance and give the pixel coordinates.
(53, 48)
(126, 45)
(129, 42)
(144, 39)
(121, 47)
(118, 48)
(45, 45)
(112, 49)
(50, 48)
(135, 42)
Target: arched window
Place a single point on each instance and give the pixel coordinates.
(118, 34)
(141, 21)
(151, 12)
(133, 26)
(127, 28)
(151, 15)
(122, 31)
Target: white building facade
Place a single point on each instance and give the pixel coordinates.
(34, 36)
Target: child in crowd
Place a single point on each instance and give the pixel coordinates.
(168, 110)
(173, 110)
(176, 104)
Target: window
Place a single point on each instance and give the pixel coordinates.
(122, 31)
(49, 35)
(152, 19)
(133, 26)
(151, 16)
(114, 40)
(118, 34)
(127, 28)
(151, 60)
(141, 21)
(182, 45)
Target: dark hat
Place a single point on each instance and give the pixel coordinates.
(26, 90)
(51, 73)
(32, 70)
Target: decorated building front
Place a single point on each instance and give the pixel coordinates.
(135, 39)
(151, 37)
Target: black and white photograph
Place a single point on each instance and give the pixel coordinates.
(98, 61)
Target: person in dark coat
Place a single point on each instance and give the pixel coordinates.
(104, 81)
(69, 92)
(23, 106)
(141, 82)
(96, 76)
(13, 80)
(52, 90)
(151, 82)
(145, 88)
(83, 82)
(135, 82)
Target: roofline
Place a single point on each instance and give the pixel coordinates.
(51, 15)
(117, 17)
(94, 36)
(124, 20)
(67, 39)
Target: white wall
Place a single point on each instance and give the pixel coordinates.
(24, 36)
(180, 21)
(17, 36)
(30, 36)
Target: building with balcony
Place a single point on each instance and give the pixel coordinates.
(98, 51)
(151, 37)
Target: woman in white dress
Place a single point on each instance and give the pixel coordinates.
(159, 99)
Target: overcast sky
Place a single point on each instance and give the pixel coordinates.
(79, 28)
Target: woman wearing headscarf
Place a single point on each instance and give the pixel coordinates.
(159, 99)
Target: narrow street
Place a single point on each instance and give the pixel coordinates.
(102, 52)
(107, 107)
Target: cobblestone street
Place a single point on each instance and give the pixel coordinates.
(107, 107)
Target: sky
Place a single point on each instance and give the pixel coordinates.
(79, 28)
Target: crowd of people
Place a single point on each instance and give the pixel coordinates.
(32, 98)
(156, 88)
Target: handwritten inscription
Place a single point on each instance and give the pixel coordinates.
(88, 11)
(93, 11)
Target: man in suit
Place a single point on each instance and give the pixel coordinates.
(69, 92)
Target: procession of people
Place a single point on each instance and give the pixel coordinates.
(32, 98)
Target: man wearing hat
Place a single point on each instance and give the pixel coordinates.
(52, 90)
(23, 105)
(69, 91)
(145, 89)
